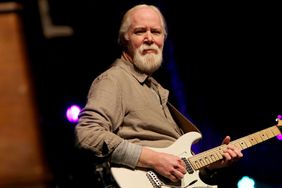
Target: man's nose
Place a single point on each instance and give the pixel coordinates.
(149, 37)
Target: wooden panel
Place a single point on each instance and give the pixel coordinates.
(22, 161)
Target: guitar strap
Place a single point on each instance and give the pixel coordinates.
(185, 124)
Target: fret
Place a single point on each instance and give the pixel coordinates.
(219, 156)
(258, 138)
(264, 136)
(202, 162)
(221, 148)
(213, 158)
(198, 164)
(269, 133)
(275, 130)
(247, 142)
(207, 157)
(240, 143)
(207, 160)
(252, 139)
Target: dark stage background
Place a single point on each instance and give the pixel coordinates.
(222, 66)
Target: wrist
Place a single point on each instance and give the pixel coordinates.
(147, 158)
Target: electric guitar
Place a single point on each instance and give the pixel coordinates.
(143, 178)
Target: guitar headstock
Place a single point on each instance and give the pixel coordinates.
(279, 122)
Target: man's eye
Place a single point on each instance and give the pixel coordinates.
(157, 32)
(139, 32)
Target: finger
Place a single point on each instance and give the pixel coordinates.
(227, 156)
(173, 176)
(231, 153)
(235, 151)
(179, 175)
(226, 140)
(231, 156)
(181, 167)
(239, 153)
(231, 146)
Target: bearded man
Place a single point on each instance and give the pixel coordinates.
(127, 110)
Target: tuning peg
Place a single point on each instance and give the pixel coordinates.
(279, 117)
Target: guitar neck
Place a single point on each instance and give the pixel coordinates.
(207, 157)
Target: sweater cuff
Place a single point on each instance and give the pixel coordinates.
(127, 154)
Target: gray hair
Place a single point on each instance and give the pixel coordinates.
(126, 22)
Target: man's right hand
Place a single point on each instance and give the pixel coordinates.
(167, 165)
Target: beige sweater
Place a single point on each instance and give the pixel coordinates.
(125, 110)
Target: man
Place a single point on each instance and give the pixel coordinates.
(128, 110)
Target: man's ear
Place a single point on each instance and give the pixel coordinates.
(124, 42)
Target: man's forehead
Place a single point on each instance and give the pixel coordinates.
(145, 14)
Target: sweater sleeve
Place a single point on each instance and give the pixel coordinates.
(101, 117)
(126, 154)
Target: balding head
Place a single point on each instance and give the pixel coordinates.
(127, 21)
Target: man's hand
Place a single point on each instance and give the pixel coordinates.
(167, 165)
(230, 154)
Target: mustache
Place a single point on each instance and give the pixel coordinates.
(151, 47)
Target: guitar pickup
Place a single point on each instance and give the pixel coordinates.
(188, 166)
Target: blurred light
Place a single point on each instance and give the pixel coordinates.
(72, 113)
(246, 182)
(279, 137)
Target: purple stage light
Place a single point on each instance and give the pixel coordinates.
(72, 113)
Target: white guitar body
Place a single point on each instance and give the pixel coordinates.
(128, 178)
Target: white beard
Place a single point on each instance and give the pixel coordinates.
(147, 63)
